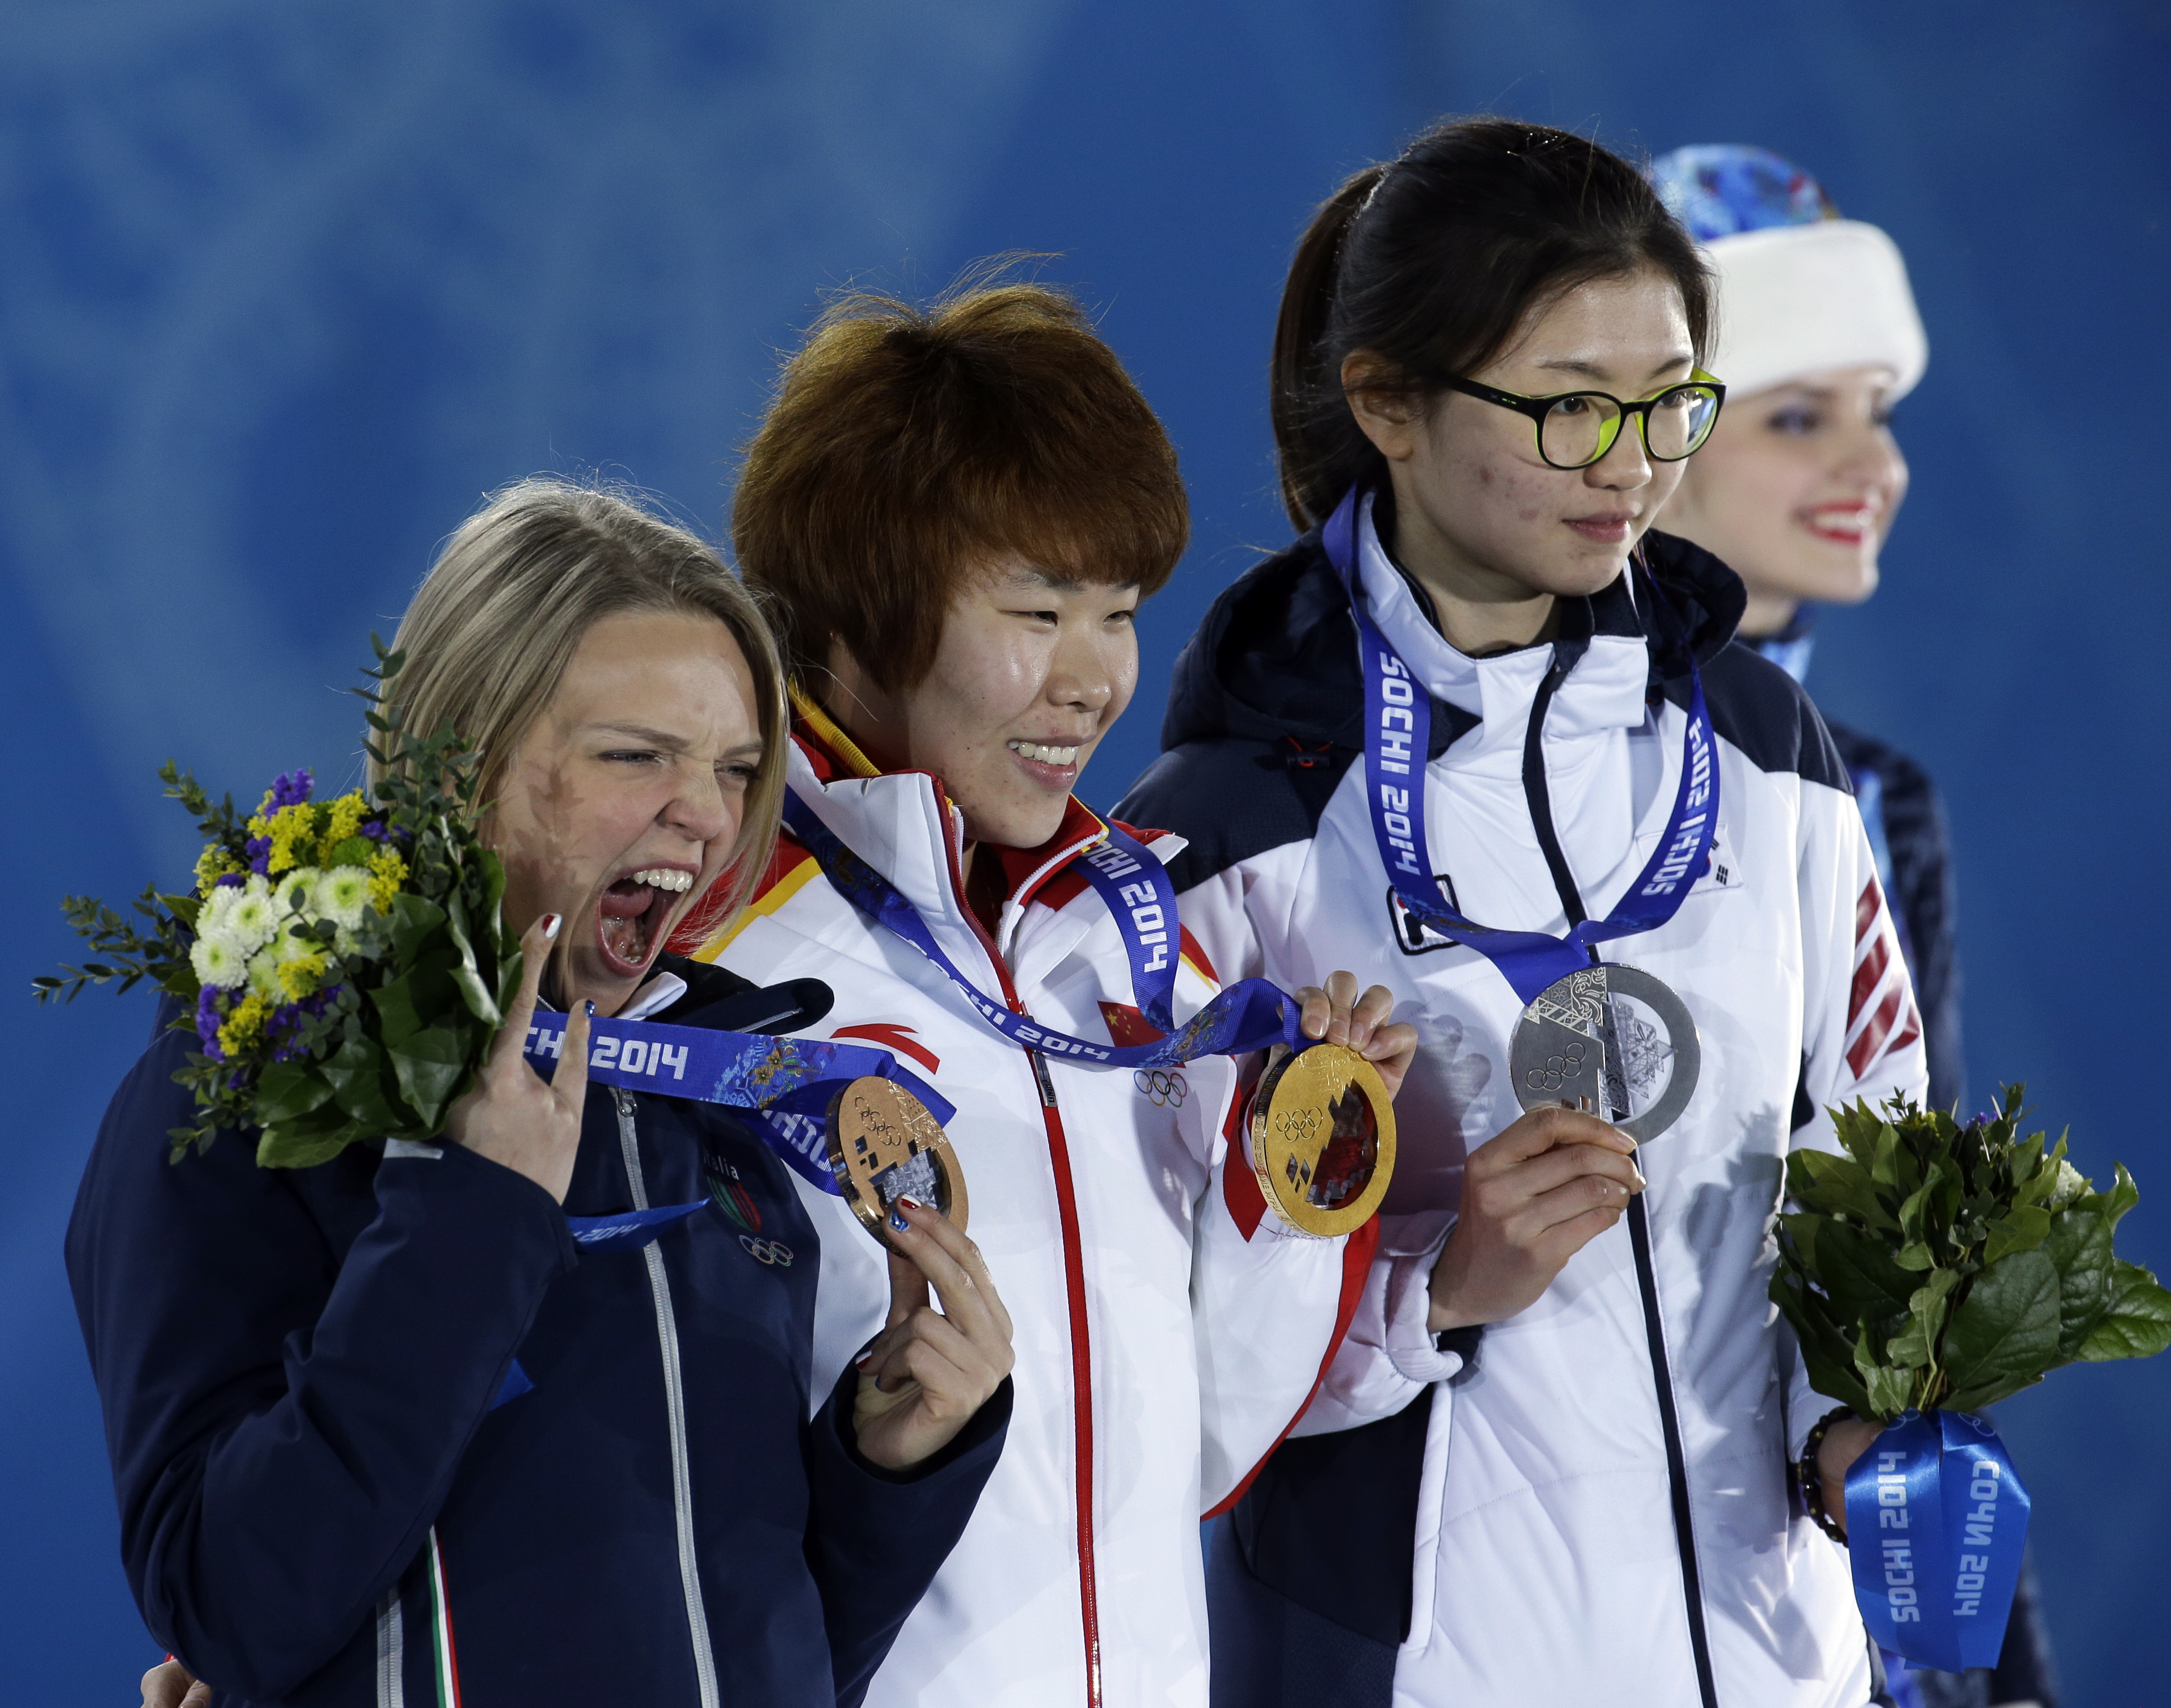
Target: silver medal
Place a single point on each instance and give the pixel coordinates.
(1613, 1040)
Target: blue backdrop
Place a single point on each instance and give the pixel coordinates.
(284, 289)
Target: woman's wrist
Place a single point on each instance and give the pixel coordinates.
(1809, 1474)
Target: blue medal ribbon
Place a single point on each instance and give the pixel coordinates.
(786, 1083)
(1248, 1015)
(1936, 1517)
(1397, 744)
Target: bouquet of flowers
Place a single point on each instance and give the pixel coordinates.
(1940, 1266)
(341, 963)
(1930, 1270)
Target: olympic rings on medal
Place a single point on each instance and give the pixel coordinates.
(772, 1251)
(1161, 1088)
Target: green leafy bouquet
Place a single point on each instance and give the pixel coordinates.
(1937, 1266)
(343, 964)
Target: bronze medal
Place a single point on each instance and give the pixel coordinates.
(884, 1145)
(1323, 1140)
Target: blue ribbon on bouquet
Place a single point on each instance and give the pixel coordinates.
(1248, 1015)
(785, 1083)
(1397, 740)
(1936, 1517)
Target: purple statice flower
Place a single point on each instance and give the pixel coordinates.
(231, 880)
(259, 850)
(279, 1030)
(373, 828)
(208, 1020)
(291, 788)
(236, 1082)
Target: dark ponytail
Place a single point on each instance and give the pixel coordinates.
(1433, 261)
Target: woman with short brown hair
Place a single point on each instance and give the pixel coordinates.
(957, 511)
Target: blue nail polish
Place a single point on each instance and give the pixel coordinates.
(896, 1221)
(592, 1010)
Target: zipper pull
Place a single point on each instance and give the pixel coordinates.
(1040, 1077)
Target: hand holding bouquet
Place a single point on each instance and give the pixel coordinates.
(1929, 1270)
(342, 963)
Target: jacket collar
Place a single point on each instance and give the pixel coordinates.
(1607, 687)
(904, 824)
(1275, 661)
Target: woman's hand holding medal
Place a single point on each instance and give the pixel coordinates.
(1338, 1016)
(1532, 1198)
(512, 1114)
(929, 1371)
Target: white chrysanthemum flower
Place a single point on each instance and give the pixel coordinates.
(217, 914)
(297, 890)
(264, 973)
(288, 946)
(343, 896)
(256, 915)
(219, 961)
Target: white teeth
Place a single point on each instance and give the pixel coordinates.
(663, 879)
(1044, 753)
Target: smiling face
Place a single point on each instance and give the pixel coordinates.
(1796, 490)
(1494, 532)
(623, 802)
(1032, 671)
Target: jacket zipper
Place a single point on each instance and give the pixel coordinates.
(1565, 654)
(1073, 1283)
(675, 1400)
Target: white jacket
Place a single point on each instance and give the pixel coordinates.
(1168, 1329)
(1547, 1562)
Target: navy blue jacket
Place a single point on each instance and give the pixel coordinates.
(326, 1457)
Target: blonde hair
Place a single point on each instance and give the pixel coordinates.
(490, 632)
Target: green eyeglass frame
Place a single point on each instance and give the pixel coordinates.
(1573, 432)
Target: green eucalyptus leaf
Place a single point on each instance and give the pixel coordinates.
(1914, 1346)
(414, 921)
(466, 975)
(431, 1067)
(1916, 1256)
(361, 1080)
(2022, 1228)
(2079, 1247)
(283, 1148)
(1827, 1358)
(2138, 1323)
(286, 1091)
(1856, 1268)
(2006, 1329)
(2122, 1196)
(1890, 1391)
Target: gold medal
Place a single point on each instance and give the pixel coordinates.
(1323, 1139)
(884, 1145)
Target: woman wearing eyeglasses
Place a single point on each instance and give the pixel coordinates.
(1477, 732)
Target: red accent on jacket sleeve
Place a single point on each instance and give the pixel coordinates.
(1871, 1044)
(1356, 1265)
(1240, 1185)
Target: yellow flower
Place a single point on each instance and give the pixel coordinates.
(347, 813)
(288, 826)
(299, 974)
(388, 871)
(213, 864)
(244, 1025)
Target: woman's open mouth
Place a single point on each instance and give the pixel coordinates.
(633, 914)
